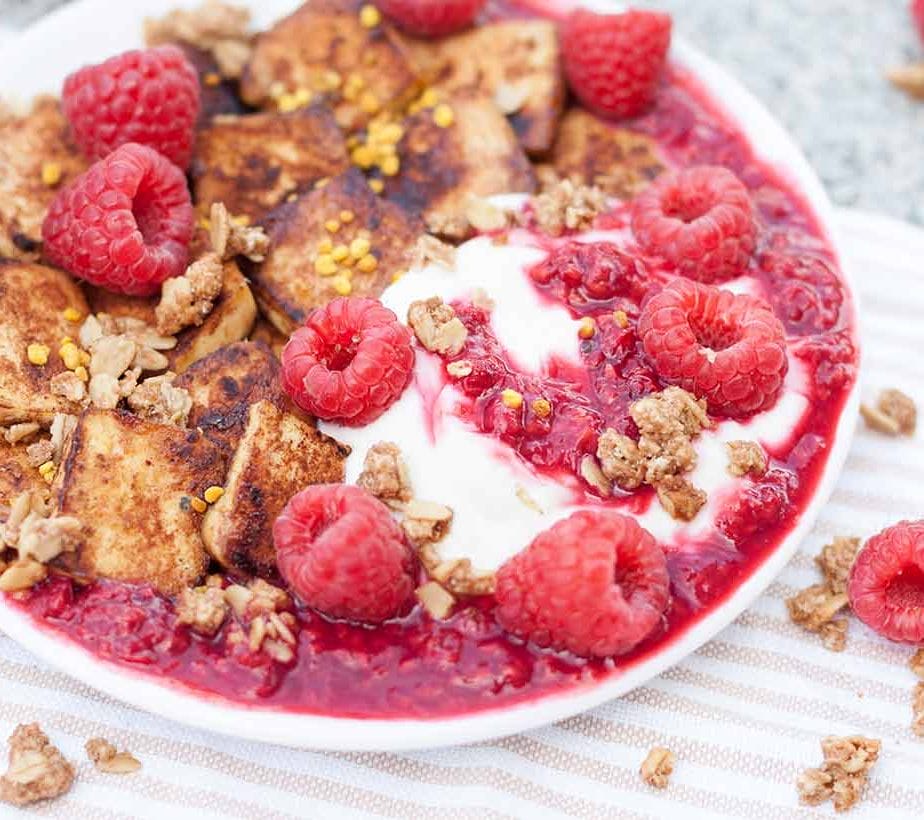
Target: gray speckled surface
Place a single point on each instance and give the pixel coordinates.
(819, 65)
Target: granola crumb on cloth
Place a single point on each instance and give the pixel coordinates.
(917, 710)
(894, 414)
(843, 775)
(106, 758)
(657, 767)
(37, 770)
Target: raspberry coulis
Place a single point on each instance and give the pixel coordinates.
(418, 667)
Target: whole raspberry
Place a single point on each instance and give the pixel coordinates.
(349, 363)
(804, 289)
(124, 224)
(594, 584)
(432, 18)
(614, 62)
(724, 347)
(150, 97)
(886, 585)
(339, 549)
(699, 220)
(917, 13)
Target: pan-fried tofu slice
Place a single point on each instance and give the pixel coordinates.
(230, 320)
(516, 63)
(442, 167)
(131, 482)
(37, 157)
(591, 151)
(253, 163)
(33, 299)
(288, 284)
(17, 474)
(217, 95)
(223, 386)
(278, 455)
(267, 333)
(323, 49)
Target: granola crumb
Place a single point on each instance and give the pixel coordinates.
(835, 561)
(680, 498)
(620, 459)
(385, 475)
(834, 634)
(203, 609)
(428, 250)
(16, 433)
(106, 758)
(894, 414)
(425, 522)
(37, 770)
(593, 474)
(68, 385)
(917, 710)
(159, 400)
(229, 238)
(843, 775)
(657, 767)
(908, 78)
(814, 607)
(916, 663)
(667, 422)
(746, 458)
(437, 327)
(436, 600)
(40, 452)
(484, 216)
(187, 300)
(562, 205)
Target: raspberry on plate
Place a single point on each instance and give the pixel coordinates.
(886, 585)
(721, 346)
(431, 18)
(349, 363)
(150, 97)
(614, 62)
(339, 549)
(594, 584)
(124, 225)
(699, 220)
(917, 13)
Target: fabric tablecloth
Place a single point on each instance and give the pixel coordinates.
(744, 714)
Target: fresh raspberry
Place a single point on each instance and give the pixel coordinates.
(804, 290)
(917, 12)
(886, 586)
(594, 584)
(724, 347)
(341, 552)
(150, 97)
(125, 224)
(832, 360)
(614, 62)
(759, 506)
(699, 221)
(349, 363)
(431, 18)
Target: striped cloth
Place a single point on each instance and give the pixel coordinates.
(743, 715)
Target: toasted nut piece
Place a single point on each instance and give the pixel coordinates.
(436, 600)
(23, 574)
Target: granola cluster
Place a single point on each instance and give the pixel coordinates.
(428, 250)
(563, 205)
(264, 619)
(894, 414)
(385, 475)
(230, 237)
(437, 327)
(917, 702)
(37, 770)
(188, 299)
(107, 758)
(746, 458)
(844, 773)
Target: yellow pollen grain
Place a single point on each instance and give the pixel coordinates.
(621, 318)
(396, 276)
(429, 98)
(390, 166)
(81, 373)
(377, 185)
(342, 285)
(71, 356)
(37, 354)
(241, 221)
(369, 16)
(47, 471)
(369, 103)
(71, 314)
(391, 133)
(443, 115)
(325, 265)
(359, 247)
(587, 328)
(346, 217)
(51, 173)
(321, 183)
(326, 245)
(213, 493)
(512, 399)
(205, 223)
(339, 253)
(367, 264)
(198, 505)
(332, 225)
(212, 79)
(363, 156)
(542, 408)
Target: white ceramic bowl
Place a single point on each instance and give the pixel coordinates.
(90, 30)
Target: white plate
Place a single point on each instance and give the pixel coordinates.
(90, 30)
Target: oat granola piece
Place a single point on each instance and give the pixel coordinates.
(668, 422)
(186, 300)
(916, 664)
(917, 710)
(229, 238)
(104, 391)
(680, 498)
(158, 399)
(428, 250)
(815, 606)
(564, 206)
(37, 770)
(16, 433)
(815, 786)
(40, 452)
(834, 634)
(62, 425)
(267, 598)
(456, 574)
(106, 758)
(894, 414)
(436, 600)
(746, 458)
(43, 539)
(425, 522)
(22, 574)
(657, 767)
(593, 474)
(835, 561)
(484, 216)
(844, 773)
(203, 609)
(620, 459)
(385, 475)
(437, 327)
(69, 386)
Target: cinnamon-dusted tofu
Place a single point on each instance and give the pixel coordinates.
(37, 157)
(17, 474)
(443, 166)
(33, 299)
(278, 455)
(289, 284)
(223, 386)
(217, 95)
(516, 63)
(324, 49)
(131, 482)
(592, 151)
(230, 320)
(252, 163)
(267, 333)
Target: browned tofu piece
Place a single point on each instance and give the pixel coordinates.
(267, 333)
(441, 168)
(230, 320)
(253, 163)
(591, 151)
(33, 299)
(17, 475)
(217, 95)
(325, 39)
(27, 143)
(278, 455)
(286, 284)
(225, 383)
(516, 63)
(130, 482)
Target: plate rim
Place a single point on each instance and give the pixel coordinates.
(321, 732)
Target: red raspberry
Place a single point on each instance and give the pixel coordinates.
(917, 12)
(614, 62)
(350, 362)
(125, 224)
(724, 347)
(699, 220)
(886, 586)
(341, 552)
(594, 584)
(432, 18)
(150, 97)
(804, 289)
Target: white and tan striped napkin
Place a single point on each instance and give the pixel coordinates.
(744, 714)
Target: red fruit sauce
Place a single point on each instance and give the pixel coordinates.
(418, 667)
